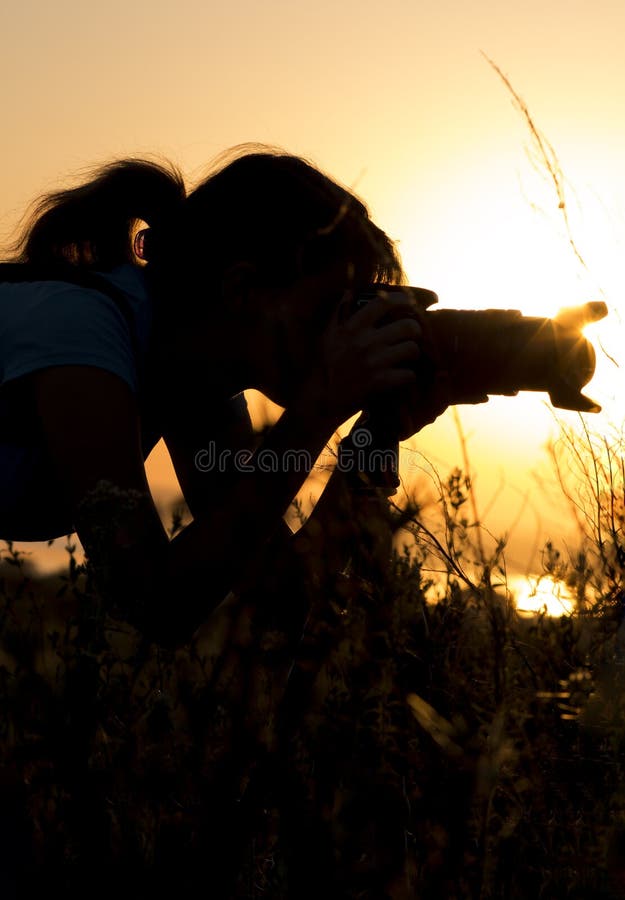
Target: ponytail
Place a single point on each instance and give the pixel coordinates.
(91, 225)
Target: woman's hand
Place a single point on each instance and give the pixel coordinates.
(365, 355)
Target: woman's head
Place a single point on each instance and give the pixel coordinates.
(281, 216)
(91, 225)
(268, 245)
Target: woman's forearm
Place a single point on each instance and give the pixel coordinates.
(255, 492)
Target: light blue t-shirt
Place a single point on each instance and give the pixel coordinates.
(48, 324)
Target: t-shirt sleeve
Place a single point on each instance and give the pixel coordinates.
(56, 324)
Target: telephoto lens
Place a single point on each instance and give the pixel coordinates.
(467, 355)
(478, 352)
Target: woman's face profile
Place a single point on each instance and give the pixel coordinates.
(294, 320)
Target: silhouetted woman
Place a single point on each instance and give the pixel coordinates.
(109, 341)
(244, 283)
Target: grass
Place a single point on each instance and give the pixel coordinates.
(393, 747)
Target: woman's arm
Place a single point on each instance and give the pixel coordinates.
(90, 423)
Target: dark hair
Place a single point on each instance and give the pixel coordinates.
(280, 214)
(262, 206)
(91, 226)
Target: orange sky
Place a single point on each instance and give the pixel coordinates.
(394, 99)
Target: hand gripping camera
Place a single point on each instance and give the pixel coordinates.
(468, 355)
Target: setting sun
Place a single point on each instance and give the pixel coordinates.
(538, 595)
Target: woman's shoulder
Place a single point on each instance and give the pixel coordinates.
(55, 322)
(24, 288)
(130, 279)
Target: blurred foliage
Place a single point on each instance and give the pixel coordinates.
(343, 736)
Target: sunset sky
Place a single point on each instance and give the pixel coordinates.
(398, 101)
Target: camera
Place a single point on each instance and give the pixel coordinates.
(468, 355)
(482, 352)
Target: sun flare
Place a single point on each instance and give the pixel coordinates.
(534, 594)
